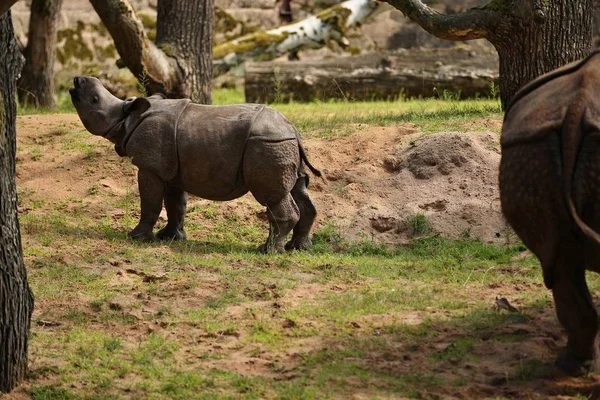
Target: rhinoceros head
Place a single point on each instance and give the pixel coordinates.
(100, 111)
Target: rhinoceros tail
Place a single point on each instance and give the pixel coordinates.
(305, 159)
(571, 146)
(542, 80)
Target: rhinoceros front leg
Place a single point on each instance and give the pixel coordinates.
(151, 197)
(577, 314)
(283, 216)
(175, 203)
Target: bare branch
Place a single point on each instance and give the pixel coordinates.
(475, 23)
(137, 51)
(5, 5)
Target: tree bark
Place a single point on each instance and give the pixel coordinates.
(5, 5)
(181, 64)
(532, 37)
(16, 299)
(528, 50)
(184, 30)
(36, 86)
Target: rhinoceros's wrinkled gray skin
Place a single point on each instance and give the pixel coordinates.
(550, 193)
(213, 152)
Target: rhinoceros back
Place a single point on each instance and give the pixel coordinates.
(540, 107)
(211, 142)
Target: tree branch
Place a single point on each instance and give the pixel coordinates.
(475, 23)
(5, 5)
(137, 51)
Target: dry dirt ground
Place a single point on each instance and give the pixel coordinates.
(376, 180)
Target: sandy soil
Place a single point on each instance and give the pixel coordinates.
(375, 180)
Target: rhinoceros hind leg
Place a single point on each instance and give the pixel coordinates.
(301, 236)
(283, 216)
(577, 314)
(151, 197)
(175, 203)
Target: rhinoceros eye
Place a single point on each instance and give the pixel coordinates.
(95, 99)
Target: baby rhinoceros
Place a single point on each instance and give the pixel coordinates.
(550, 193)
(214, 152)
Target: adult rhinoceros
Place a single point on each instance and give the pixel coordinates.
(550, 192)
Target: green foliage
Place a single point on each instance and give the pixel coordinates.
(419, 225)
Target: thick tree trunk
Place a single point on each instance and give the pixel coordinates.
(16, 300)
(181, 65)
(531, 37)
(184, 30)
(36, 86)
(529, 49)
(413, 73)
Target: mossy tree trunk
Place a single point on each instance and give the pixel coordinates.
(16, 299)
(179, 64)
(36, 86)
(532, 37)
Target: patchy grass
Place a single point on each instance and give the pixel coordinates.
(332, 118)
(209, 318)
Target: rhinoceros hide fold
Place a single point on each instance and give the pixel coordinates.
(152, 137)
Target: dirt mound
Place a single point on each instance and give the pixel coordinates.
(436, 154)
(380, 183)
(390, 183)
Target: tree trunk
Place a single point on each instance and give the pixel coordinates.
(36, 86)
(412, 73)
(181, 65)
(528, 50)
(16, 300)
(184, 31)
(531, 37)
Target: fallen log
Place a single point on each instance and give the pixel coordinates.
(312, 32)
(455, 73)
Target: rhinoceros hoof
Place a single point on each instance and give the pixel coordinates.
(304, 244)
(264, 249)
(572, 365)
(171, 234)
(141, 236)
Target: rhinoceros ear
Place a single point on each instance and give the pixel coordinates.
(136, 105)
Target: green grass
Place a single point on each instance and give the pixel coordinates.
(209, 318)
(181, 336)
(330, 118)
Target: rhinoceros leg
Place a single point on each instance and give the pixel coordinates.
(300, 238)
(283, 216)
(151, 197)
(532, 201)
(175, 203)
(576, 313)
